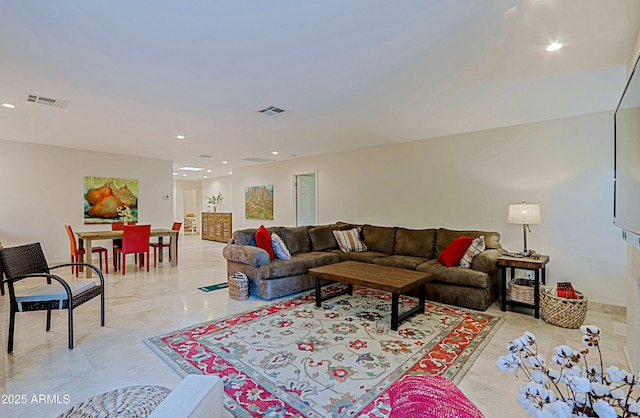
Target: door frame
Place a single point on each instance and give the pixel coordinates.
(294, 188)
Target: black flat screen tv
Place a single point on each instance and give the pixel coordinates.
(626, 206)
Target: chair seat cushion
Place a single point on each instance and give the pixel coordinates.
(53, 291)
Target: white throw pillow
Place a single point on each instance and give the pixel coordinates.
(349, 240)
(279, 247)
(477, 246)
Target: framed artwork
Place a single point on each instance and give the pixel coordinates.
(108, 200)
(258, 202)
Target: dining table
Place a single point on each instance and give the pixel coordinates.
(86, 238)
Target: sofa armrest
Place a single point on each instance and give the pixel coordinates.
(197, 396)
(486, 261)
(246, 254)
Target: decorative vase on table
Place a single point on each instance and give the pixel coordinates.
(215, 208)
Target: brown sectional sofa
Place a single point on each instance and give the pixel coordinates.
(314, 246)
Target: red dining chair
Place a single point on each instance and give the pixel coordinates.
(160, 245)
(135, 240)
(77, 254)
(116, 243)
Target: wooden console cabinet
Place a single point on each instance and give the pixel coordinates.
(216, 226)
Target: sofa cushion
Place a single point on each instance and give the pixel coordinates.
(363, 256)
(349, 240)
(296, 239)
(322, 238)
(415, 242)
(322, 258)
(298, 264)
(379, 238)
(476, 247)
(451, 255)
(263, 240)
(455, 275)
(279, 247)
(400, 261)
(445, 236)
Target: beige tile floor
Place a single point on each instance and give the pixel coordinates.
(141, 305)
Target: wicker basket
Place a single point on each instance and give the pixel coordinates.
(565, 313)
(239, 286)
(522, 290)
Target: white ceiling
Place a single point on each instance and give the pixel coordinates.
(349, 73)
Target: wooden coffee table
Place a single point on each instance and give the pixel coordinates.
(389, 279)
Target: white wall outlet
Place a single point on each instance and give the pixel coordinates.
(529, 275)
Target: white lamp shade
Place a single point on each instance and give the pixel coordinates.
(524, 214)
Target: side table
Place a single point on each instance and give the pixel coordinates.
(524, 263)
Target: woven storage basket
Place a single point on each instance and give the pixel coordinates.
(522, 290)
(239, 286)
(565, 313)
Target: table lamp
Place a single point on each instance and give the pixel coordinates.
(524, 214)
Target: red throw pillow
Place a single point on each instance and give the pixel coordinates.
(263, 240)
(455, 250)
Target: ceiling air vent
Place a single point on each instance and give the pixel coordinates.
(60, 104)
(258, 160)
(272, 111)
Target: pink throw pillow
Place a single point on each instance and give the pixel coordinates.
(429, 396)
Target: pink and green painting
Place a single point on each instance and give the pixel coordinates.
(258, 202)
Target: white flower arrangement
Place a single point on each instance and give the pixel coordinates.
(125, 214)
(214, 200)
(577, 389)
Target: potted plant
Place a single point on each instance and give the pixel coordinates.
(214, 200)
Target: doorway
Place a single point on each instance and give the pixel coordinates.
(190, 206)
(306, 199)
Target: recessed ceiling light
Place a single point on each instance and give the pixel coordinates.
(187, 168)
(274, 152)
(9, 105)
(180, 137)
(184, 175)
(208, 171)
(175, 174)
(230, 172)
(225, 162)
(204, 177)
(554, 46)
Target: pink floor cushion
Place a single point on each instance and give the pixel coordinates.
(429, 396)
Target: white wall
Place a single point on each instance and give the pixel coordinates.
(211, 187)
(467, 182)
(42, 189)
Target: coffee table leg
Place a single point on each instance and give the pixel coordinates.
(394, 311)
(422, 295)
(318, 295)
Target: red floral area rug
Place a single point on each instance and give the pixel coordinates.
(291, 359)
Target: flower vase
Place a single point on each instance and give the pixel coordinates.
(215, 208)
